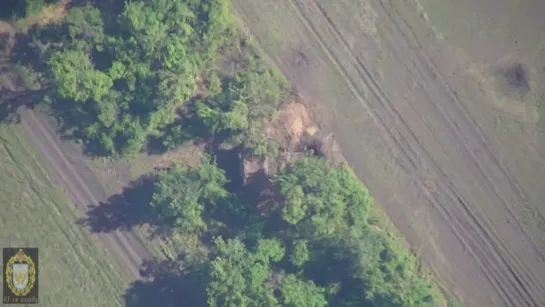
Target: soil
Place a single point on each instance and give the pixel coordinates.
(291, 125)
(412, 116)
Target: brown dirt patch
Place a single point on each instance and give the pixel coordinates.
(296, 128)
(117, 174)
(291, 124)
(5, 28)
(53, 14)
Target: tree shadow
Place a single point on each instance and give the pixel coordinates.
(230, 160)
(12, 100)
(22, 51)
(167, 284)
(236, 212)
(9, 106)
(187, 128)
(32, 47)
(12, 9)
(123, 211)
(113, 7)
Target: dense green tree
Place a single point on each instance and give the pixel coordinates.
(371, 270)
(131, 73)
(334, 257)
(85, 23)
(366, 268)
(76, 77)
(241, 277)
(322, 199)
(300, 253)
(239, 110)
(298, 293)
(182, 195)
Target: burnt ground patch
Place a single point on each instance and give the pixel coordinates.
(514, 79)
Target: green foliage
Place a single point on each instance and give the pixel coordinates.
(256, 142)
(298, 293)
(300, 253)
(329, 204)
(321, 199)
(183, 195)
(387, 274)
(34, 6)
(85, 23)
(240, 108)
(121, 78)
(76, 77)
(126, 77)
(239, 277)
(333, 256)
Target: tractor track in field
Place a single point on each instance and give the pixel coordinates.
(83, 188)
(475, 201)
(510, 278)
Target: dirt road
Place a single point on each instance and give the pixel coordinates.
(69, 170)
(404, 110)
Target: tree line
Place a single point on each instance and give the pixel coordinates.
(320, 247)
(117, 81)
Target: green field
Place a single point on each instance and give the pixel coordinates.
(73, 271)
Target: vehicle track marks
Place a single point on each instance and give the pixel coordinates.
(513, 281)
(124, 245)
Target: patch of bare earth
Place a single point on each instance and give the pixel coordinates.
(53, 14)
(401, 105)
(295, 128)
(117, 174)
(5, 28)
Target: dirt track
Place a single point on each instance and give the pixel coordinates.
(69, 170)
(402, 113)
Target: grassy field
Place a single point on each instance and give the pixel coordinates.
(73, 271)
